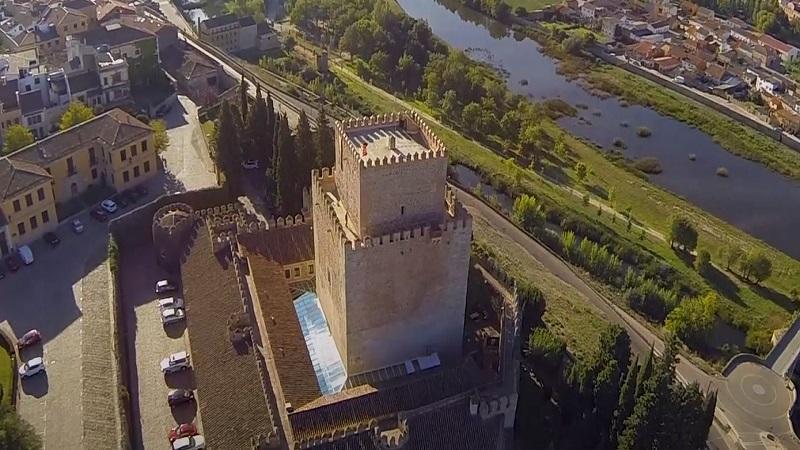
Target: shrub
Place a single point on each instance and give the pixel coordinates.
(648, 165)
(643, 132)
(703, 262)
(619, 143)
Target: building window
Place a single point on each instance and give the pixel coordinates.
(296, 271)
(133, 151)
(94, 173)
(311, 269)
(71, 167)
(92, 157)
(34, 223)
(21, 228)
(17, 206)
(144, 146)
(123, 154)
(146, 166)
(28, 200)
(286, 272)
(125, 177)
(45, 217)
(40, 194)
(136, 172)
(402, 210)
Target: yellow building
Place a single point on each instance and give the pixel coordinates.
(113, 149)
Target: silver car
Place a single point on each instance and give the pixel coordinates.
(172, 315)
(175, 362)
(170, 302)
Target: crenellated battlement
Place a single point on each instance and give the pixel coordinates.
(408, 121)
(421, 232)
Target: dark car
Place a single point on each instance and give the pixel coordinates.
(99, 215)
(2, 274)
(130, 196)
(52, 239)
(30, 338)
(182, 430)
(141, 191)
(120, 200)
(12, 262)
(179, 396)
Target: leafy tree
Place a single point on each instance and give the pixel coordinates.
(407, 73)
(527, 212)
(560, 147)
(693, 319)
(359, 39)
(530, 137)
(243, 8)
(17, 136)
(732, 255)
(471, 117)
(304, 143)
(450, 104)
(581, 171)
(683, 233)
(15, 432)
(520, 11)
(325, 152)
(378, 66)
(76, 113)
(703, 262)
(546, 348)
(160, 134)
(756, 265)
(244, 102)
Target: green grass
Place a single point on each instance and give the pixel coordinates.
(530, 5)
(6, 375)
(743, 304)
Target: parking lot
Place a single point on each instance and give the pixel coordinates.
(149, 342)
(48, 295)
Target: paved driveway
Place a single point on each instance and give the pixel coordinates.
(48, 296)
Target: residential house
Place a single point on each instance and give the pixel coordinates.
(113, 9)
(666, 64)
(121, 40)
(267, 37)
(197, 76)
(27, 206)
(716, 73)
(229, 32)
(9, 105)
(767, 83)
(786, 51)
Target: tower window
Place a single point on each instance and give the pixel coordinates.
(402, 210)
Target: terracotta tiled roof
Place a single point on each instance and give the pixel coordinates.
(19, 176)
(285, 245)
(408, 393)
(448, 427)
(231, 399)
(295, 371)
(113, 128)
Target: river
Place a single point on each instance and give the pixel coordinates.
(753, 198)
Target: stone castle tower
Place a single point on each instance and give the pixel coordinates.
(392, 244)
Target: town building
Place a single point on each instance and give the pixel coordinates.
(113, 149)
(234, 34)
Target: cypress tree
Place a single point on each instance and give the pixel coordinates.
(324, 147)
(305, 151)
(627, 400)
(228, 149)
(243, 101)
(639, 427)
(287, 200)
(271, 122)
(645, 372)
(259, 134)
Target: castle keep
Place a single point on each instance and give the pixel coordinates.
(391, 245)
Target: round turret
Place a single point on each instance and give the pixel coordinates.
(173, 226)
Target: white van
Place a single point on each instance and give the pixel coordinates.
(26, 255)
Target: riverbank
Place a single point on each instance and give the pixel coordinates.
(754, 310)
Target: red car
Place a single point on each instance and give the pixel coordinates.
(182, 430)
(99, 215)
(30, 338)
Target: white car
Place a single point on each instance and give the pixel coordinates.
(250, 164)
(26, 255)
(172, 315)
(32, 367)
(170, 302)
(109, 206)
(189, 443)
(77, 226)
(164, 286)
(175, 363)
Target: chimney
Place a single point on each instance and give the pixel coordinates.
(392, 143)
(363, 149)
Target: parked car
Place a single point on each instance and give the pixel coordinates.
(172, 315)
(179, 396)
(170, 302)
(109, 206)
(250, 164)
(32, 367)
(32, 337)
(13, 263)
(52, 239)
(175, 363)
(25, 254)
(77, 226)
(189, 443)
(130, 196)
(2, 274)
(164, 286)
(99, 215)
(141, 191)
(119, 199)
(181, 431)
